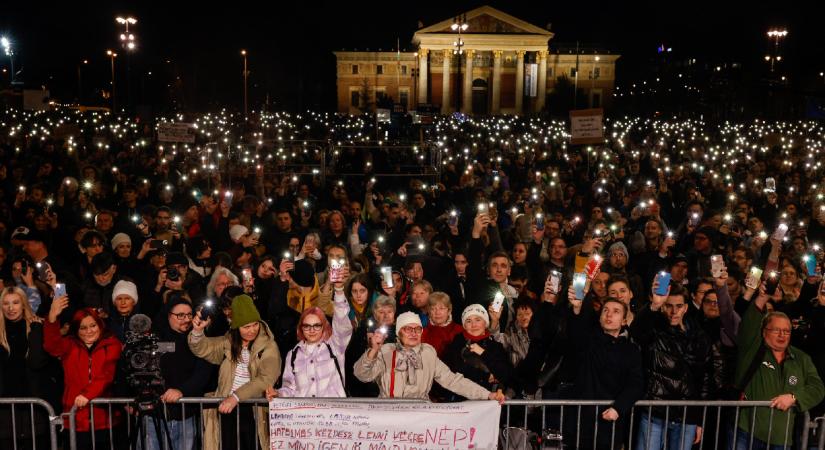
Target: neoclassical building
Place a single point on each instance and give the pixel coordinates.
(506, 66)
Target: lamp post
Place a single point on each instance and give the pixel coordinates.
(112, 55)
(459, 25)
(245, 84)
(6, 43)
(80, 80)
(593, 78)
(776, 35)
(128, 43)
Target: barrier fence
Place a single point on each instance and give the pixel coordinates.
(525, 424)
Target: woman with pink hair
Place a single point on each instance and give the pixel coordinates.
(315, 367)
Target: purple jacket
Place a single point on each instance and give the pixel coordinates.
(314, 373)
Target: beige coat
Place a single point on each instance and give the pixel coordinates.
(378, 370)
(264, 369)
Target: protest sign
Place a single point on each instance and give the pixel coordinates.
(586, 126)
(345, 425)
(176, 132)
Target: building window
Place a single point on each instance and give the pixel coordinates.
(379, 69)
(355, 69)
(596, 73)
(380, 94)
(355, 99)
(404, 97)
(572, 72)
(403, 70)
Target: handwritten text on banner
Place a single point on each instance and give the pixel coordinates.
(343, 425)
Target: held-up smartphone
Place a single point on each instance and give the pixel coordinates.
(579, 280)
(256, 233)
(593, 265)
(811, 266)
(771, 282)
(289, 257)
(246, 274)
(717, 263)
(155, 244)
(452, 220)
(664, 283)
(335, 266)
(694, 219)
(770, 184)
(386, 276)
(498, 302)
(59, 290)
(492, 210)
(539, 222)
(482, 208)
(227, 197)
(753, 278)
(207, 310)
(555, 281)
(42, 269)
(780, 232)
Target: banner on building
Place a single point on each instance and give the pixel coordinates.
(316, 425)
(586, 126)
(176, 132)
(531, 79)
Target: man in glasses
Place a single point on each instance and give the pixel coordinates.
(770, 368)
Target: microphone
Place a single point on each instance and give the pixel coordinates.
(140, 323)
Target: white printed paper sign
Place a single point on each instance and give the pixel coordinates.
(343, 425)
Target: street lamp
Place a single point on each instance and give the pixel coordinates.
(127, 39)
(245, 84)
(80, 80)
(459, 25)
(112, 55)
(6, 43)
(776, 35)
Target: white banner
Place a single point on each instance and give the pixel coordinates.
(176, 132)
(586, 126)
(343, 425)
(531, 79)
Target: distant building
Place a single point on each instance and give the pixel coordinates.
(506, 67)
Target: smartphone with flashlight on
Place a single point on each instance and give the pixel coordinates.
(663, 278)
(452, 220)
(498, 302)
(717, 263)
(771, 282)
(753, 278)
(539, 222)
(335, 268)
(555, 281)
(386, 276)
(579, 281)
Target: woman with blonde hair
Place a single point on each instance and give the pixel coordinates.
(26, 370)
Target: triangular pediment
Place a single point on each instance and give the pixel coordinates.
(488, 20)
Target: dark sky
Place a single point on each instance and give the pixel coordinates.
(290, 44)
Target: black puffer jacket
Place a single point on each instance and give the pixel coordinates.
(478, 368)
(678, 364)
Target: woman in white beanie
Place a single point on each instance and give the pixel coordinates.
(124, 300)
(407, 369)
(477, 355)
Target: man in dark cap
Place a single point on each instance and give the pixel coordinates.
(704, 241)
(99, 284)
(179, 277)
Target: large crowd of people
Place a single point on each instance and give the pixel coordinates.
(677, 260)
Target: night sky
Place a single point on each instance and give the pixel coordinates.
(290, 44)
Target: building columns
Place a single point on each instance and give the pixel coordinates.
(519, 81)
(467, 104)
(446, 98)
(422, 75)
(496, 103)
(542, 88)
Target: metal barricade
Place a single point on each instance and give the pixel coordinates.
(651, 424)
(24, 439)
(199, 404)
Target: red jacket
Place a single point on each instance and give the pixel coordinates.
(87, 372)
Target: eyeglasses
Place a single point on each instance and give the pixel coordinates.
(182, 316)
(312, 326)
(778, 331)
(413, 330)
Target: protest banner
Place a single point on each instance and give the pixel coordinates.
(345, 425)
(176, 132)
(586, 126)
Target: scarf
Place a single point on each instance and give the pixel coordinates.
(407, 360)
(475, 339)
(300, 299)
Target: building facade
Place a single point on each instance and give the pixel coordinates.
(505, 66)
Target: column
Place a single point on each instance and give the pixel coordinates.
(467, 104)
(422, 75)
(495, 108)
(542, 90)
(519, 81)
(446, 98)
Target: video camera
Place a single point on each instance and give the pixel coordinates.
(141, 355)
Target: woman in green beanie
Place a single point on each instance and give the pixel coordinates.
(250, 362)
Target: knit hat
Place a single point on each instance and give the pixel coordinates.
(244, 311)
(120, 238)
(475, 310)
(124, 287)
(618, 247)
(407, 318)
(237, 231)
(303, 274)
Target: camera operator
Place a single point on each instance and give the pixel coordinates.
(179, 277)
(184, 374)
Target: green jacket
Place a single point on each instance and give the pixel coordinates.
(796, 375)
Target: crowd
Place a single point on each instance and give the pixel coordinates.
(678, 260)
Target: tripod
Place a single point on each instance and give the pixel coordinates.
(150, 409)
